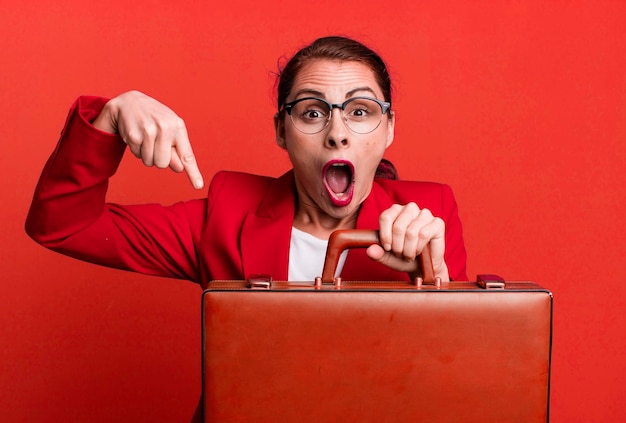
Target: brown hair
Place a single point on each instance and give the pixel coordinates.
(332, 48)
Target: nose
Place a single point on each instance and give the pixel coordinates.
(337, 135)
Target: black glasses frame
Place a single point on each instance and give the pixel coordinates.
(384, 107)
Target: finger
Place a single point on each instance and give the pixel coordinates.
(419, 232)
(409, 213)
(147, 145)
(385, 223)
(175, 164)
(131, 136)
(432, 232)
(188, 159)
(163, 148)
(437, 255)
(376, 253)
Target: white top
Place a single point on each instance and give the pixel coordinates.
(306, 256)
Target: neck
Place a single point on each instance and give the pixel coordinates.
(318, 223)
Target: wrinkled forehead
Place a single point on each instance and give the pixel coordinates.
(335, 80)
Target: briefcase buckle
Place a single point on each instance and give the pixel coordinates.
(259, 281)
(487, 281)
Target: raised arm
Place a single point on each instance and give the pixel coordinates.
(69, 214)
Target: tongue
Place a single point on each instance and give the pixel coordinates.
(338, 178)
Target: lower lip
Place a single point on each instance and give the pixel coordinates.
(343, 199)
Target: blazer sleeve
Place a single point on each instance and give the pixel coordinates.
(69, 214)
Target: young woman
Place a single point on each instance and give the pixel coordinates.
(334, 120)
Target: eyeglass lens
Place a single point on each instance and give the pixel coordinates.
(362, 115)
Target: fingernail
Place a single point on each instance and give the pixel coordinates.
(387, 247)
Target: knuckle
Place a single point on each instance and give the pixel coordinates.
(150, 131)
(145, 134)
(386, 217)
(179, 123)
(412, 232)
(425, 234)
(171, 124)
(426, 213)
(394, 209)
(384, 259)
(398, 230)
(188, 158)
(131, 138)
(391, 213)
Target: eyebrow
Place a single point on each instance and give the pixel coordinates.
(356, 90)
(349, 94)
(309, 91)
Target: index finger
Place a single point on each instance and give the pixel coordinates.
(188, 159)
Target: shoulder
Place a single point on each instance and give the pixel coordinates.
(232, 179)
(246, 190)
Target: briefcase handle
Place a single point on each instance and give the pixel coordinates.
(363, 238)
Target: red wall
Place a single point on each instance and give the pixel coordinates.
(520, 106)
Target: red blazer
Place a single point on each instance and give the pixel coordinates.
(242, 227)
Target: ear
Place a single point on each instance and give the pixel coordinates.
(279, 128)
(391, 124)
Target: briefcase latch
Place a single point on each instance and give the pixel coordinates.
(490, 281)
(259, 281)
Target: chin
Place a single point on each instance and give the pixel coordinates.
(341, 212)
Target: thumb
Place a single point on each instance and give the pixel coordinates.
(377, 253)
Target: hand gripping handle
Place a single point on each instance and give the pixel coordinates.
(363, 238)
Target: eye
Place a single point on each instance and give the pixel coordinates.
(359, 111)
(312, 114)
(311, 111)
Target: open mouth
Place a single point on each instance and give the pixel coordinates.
(339, 181)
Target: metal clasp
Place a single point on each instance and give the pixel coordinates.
(490, 281)
(259, 281)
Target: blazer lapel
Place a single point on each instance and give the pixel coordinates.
(266, 234)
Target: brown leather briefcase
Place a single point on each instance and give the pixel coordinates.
(331, 350)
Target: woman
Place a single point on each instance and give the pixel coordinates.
(334, 120)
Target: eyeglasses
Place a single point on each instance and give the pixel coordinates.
(311, 115)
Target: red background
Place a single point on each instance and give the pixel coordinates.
(519, 105)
